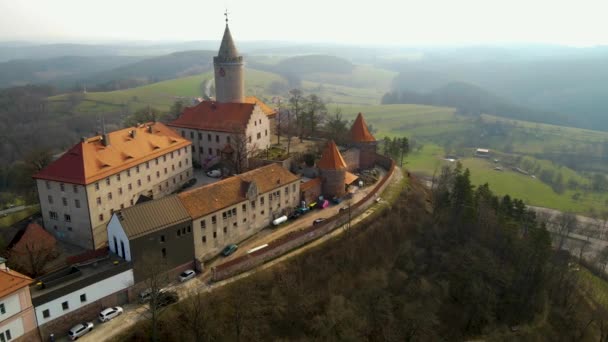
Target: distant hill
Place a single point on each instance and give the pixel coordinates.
(472, 100)
(569, 81)
(155, 69)
(62, 71)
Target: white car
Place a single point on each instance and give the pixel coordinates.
(187, 275)
(214, 173)
(109, 313)
(80, 329)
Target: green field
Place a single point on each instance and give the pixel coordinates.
(435, 127)
(162, 95)
(15, 217)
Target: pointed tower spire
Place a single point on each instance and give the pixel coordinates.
(331, 158)
(359, 131)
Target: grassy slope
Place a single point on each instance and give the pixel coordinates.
(426, 123)
(162, 94)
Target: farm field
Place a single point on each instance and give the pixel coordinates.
(532, 191)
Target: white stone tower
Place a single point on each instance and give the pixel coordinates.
(229, 81)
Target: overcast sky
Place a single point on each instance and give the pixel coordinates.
(404, 22)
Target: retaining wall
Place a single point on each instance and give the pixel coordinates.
(296, 239)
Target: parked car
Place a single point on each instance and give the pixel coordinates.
(214, 173)
(145, 295)
(79, 330)
(229, 249)
(167, 298)
(295, 215)
(318, 221)
(343, 209)
(187, 275)
(110, 313)
(189, 183)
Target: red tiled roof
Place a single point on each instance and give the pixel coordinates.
(310, 184)
(34, 238)
(359, 131)
(264, 107)
(349, 178)
(216, 116)
(90, 161)
(213, 197)
(331, 158)
(11, 281)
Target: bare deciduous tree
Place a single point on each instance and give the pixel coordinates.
(565, 223)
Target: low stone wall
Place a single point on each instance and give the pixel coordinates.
(296, 239)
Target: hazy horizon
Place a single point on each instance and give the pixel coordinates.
(468, 22)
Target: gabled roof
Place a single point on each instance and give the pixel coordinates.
(151, 216)
(331, 158)
(359, 131)
(310, 184)
(11, 281)
(90, 160)
(264, 107)
(34, 238)
(216, 116)
(230, 191)
(227, 47)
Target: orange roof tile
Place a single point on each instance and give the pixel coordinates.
(90, 161)
(34, 238)
(215, 116)
(359, 131)
(310, 184)
(264, 107)
(331, 158)
(349, 178)
(11, 281)
(230, 191)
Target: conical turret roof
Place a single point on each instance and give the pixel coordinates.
(227, 48)
(359, 131)
(331, 158)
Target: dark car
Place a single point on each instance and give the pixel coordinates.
(168, 298)
(295, 215)
(318, 221)
(229, 249)
(189, 183)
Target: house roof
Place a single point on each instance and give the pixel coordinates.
(230, 191)
(90, 160)
(11, 281)
(34, 238)
(263, 106)
(151, 216)
(350, 178)
(331, 158)
(216, 116)
(359, 131)
(310, 184)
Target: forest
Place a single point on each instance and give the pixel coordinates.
(452, 263)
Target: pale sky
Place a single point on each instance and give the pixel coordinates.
(405, 22)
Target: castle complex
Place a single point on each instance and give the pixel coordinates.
(81, 190)
(120, 194)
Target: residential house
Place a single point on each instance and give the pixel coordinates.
(17, 319)
(154, 235)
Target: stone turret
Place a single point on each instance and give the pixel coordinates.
(333, 171)
(228, 65)
(361, 138)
